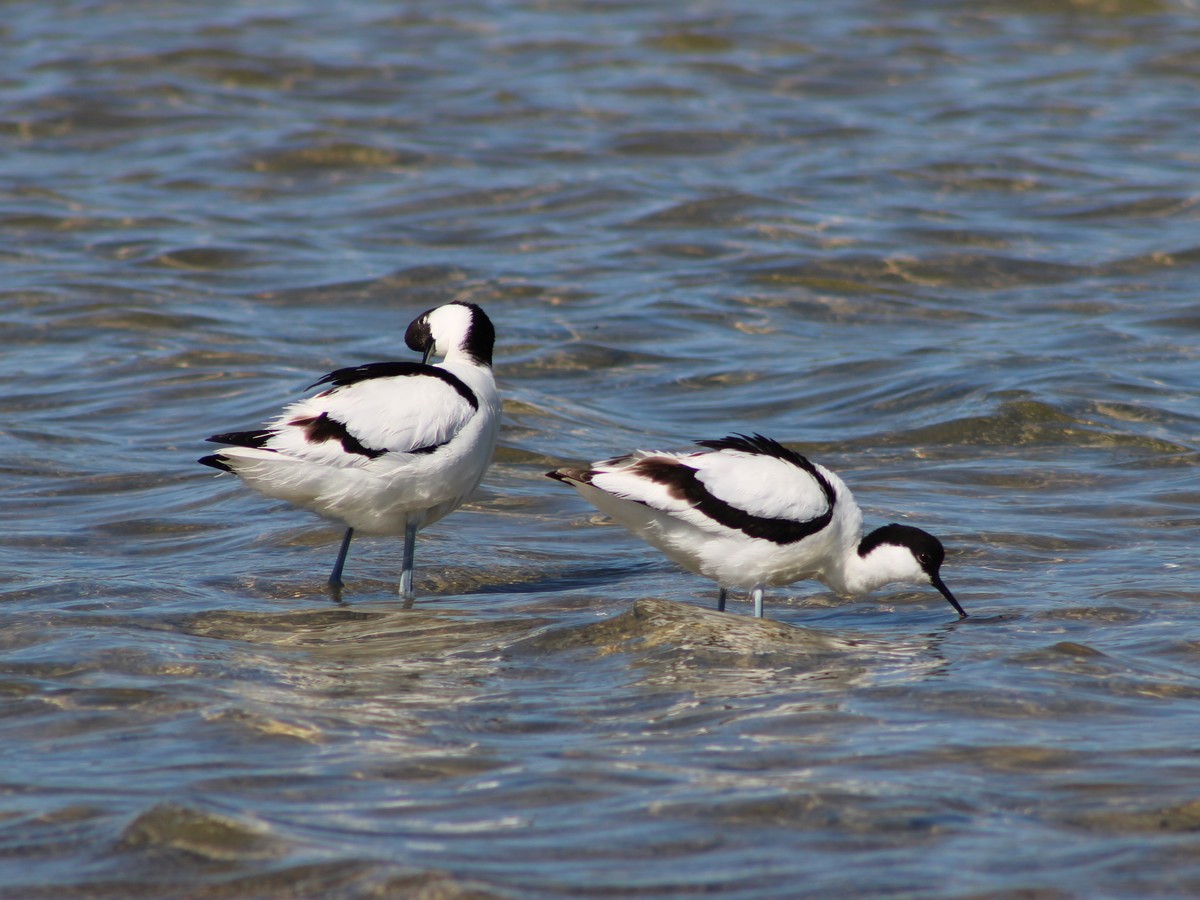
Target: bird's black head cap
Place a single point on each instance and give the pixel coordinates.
(478, 342)
(925, 548)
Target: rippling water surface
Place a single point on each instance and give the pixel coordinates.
(949, 250)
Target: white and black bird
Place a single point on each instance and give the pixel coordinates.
(749, 513)
(388, 447)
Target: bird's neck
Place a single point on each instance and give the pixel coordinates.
(462, 356)
(478, 378)
(885, 564)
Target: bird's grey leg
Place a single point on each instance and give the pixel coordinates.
(406, 572)
(758, 595)
(335, 577)
(721, 601)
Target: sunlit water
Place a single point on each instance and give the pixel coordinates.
(949, 250)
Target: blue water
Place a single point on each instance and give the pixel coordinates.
(949, 251)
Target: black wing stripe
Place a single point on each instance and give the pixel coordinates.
(683, 483)
(318, 429)
(355, 374)
(428, 448)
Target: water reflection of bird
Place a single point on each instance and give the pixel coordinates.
(749, 513)
(389, 447)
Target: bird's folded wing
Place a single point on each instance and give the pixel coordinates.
(355, 422)
(762, 486)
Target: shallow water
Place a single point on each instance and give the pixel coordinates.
(950, 252)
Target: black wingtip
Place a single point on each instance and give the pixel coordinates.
(216, 461)
(243, 438)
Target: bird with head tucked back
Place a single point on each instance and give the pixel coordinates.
(749, 513)
(388, 447)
